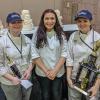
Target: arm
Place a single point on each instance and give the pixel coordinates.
(41, 65)
(13, 79)
(69, 73)
(28, 72)
(93, 90)
(58, 66)
(4, 70)
(61, 60)
(36, 57)
(69, 61)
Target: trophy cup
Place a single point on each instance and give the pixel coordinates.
(87, 72)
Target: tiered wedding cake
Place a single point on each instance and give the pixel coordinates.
(27, 21)
(2, 32)
(1, 25)
(59, 16)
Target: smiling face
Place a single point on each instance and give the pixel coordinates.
(49, 21)
(83, 24)
(15, 28)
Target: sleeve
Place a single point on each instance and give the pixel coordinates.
(34, 50)
(69, 60)
(3, 68)
(64, 48)
(70, 51)
(65, 53)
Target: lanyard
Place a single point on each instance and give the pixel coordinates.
(86, 43)
(20, 50)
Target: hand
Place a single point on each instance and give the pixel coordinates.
(26, 74)
(70, 83)
(15, 81)
(93, 98)
(93, 91)
(46, 72)
(52, 74)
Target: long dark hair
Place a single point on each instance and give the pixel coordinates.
(41, 31)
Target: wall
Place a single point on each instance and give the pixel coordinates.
(68, 9)
(36, 7)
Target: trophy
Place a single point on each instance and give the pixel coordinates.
(25, 83)
(87, 72)
(13, 67)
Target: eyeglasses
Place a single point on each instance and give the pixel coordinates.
(16, 22)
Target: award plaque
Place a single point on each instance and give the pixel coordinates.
(86, 75)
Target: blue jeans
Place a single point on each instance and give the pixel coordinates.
(2, 95)
(51, 89)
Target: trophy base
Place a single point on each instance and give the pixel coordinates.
(80, 90)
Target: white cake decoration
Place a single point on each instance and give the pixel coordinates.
(1, 25)
(59, 16)
(27, 21)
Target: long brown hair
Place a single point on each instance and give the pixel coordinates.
(41, 31)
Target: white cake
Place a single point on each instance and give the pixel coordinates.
(27, 21)
(1, 28)
(59, 16)
(1, 25)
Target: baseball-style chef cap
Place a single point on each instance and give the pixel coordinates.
(84, 14)
(13, 17)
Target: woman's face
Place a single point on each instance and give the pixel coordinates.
(15, 27)
(49, 21)
(83, 24)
